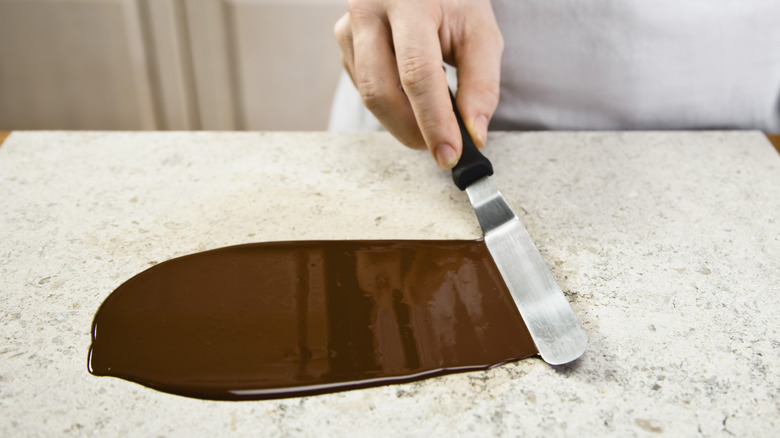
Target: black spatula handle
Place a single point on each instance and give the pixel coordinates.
(472, 164)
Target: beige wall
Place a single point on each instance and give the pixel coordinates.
(167, 64)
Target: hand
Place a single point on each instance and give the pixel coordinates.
(394, 51)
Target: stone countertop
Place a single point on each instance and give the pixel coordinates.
(667, 245)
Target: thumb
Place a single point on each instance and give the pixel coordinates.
(478, 60)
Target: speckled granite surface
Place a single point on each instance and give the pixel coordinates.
(666, 244)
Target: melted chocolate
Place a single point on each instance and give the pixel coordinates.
(272, 320)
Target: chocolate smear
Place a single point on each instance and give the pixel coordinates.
(282, 319)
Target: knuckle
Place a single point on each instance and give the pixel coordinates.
(415, 73)
(431, 121)
(342, 28)
(371, 94)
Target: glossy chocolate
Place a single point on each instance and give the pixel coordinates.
(281, 319)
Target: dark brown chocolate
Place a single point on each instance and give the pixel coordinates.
(272, 320)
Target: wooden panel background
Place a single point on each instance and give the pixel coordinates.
(73, 65)
(284, 52)
(167, 64)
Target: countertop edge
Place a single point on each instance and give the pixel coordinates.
(774, 139)
(3, 136)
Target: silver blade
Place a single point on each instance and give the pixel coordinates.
(554, 327)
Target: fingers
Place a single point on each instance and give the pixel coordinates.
(478, 58)
(376, 77)
(399, 76)
(343, 32)
(393, 51)
(418, 52)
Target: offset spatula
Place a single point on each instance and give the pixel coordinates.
(554, 327)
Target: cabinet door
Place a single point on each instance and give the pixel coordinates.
(73, 64)
(286, 62)
(167, 64)
(167, 42)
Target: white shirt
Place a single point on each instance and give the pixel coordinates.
(628, 64)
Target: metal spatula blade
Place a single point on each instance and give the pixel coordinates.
(553, 326)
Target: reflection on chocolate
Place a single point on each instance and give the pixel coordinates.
(281, 319)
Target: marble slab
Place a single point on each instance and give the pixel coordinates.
(667, 245)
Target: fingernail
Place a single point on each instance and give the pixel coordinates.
(446, 156)
(481, 126)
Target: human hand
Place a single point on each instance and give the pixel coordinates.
(394, 51)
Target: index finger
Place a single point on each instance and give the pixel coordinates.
(419, 58)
